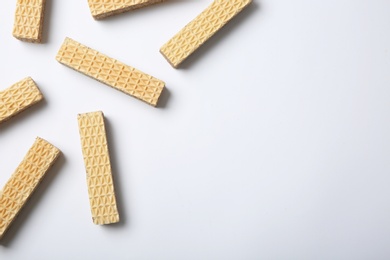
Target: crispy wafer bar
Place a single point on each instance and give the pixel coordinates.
(199, 30)
(98, 167)
(25, 180)
(104, 8)
(110, 71)
(18, 97)
(29, 20)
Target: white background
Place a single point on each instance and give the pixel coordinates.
(271, 142)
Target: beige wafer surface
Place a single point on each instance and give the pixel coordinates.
(104, 8)
(199, 30)
(29, 20)
(18, 97)
(25, 180)
(110, 71)
(97, 163)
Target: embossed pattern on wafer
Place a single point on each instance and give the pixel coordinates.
(25, 180)
(29, 20)
(104, 8)
(199, 30)
(18, 97)
(98, 167)
(110, 71)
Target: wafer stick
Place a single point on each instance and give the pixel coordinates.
(104, 8)
(29, 20)
(25, 180)
(18, 97)
(198, 31)
(110, 71)
(97, 164)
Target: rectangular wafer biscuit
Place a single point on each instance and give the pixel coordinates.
(28, 25)
(199, 30)
(18, 97)
(98, 167)
(110, 71)
(25, 180)
(104, 8)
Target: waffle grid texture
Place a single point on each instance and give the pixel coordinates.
(18, 97)
(110, 71)
(25, 180)
(29, 20)
(199, 30)
(98, 167)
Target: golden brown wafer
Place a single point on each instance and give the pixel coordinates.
(104, 8)
(25, 180)
(110, 71)
(28, 23)
(199, 30)
(18, 97)
(97, 164)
